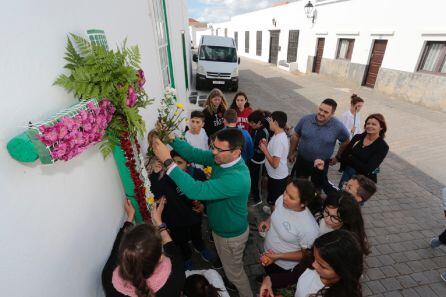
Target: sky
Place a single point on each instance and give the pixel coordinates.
(214, 11)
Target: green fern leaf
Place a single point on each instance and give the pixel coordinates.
(83, 44)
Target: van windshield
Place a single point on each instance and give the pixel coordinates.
(218, 53)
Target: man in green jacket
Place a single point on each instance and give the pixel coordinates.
(226, 193)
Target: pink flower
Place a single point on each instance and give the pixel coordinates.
(68, 122)
(59, 151)
(42, 129)
(92, 107)
(62, 131)
(141, 78)
(101, 121)
(131, 97)
(50, 137)
(73, 135)
(86, 126)
(83, 115)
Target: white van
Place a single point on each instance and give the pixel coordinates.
(217, 63)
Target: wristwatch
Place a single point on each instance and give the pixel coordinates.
(162, 226)
(168, 162)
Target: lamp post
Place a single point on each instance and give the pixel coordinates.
(309, 11)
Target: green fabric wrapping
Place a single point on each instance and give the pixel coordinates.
(41, 149)
(126, 179)
(22, 149)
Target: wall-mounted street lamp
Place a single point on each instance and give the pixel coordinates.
(309, 11)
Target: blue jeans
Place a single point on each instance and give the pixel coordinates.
(346, 175)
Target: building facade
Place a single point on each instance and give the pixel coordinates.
(58, 222)
(396, 47)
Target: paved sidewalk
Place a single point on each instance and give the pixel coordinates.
(406, 212)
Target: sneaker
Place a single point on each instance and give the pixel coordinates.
(443, 276)
(207, 256)
(435, 242)
(255, 203)
(216, 264)
(188, 265)
(266, 209)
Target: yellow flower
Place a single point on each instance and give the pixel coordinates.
(180, 106)
(150, 200)
(207, 170)
(187, 120)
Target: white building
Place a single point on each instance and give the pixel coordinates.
(58, 222)
(196, 30)
(397, 47)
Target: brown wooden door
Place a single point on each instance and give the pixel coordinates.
(319, 52)
(376, 59)
(273, 46)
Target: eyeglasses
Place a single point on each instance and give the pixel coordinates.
(219, 150)
(333, 219)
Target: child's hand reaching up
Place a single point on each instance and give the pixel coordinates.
(319, 164)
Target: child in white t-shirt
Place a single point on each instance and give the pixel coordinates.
(196, 135)
(290, 229)
(276, 153)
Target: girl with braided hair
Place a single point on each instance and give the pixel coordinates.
(144, 261)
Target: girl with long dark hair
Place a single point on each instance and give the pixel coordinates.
(342, 211)
(336, 269)
(241, 105)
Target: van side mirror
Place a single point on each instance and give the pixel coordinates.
(238, 60)
(195, 58)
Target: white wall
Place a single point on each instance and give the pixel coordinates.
(196, 33)
(287, 18)
(58, 222)
(178, 23)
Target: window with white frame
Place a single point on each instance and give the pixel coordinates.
(434, 57)
(161, 35)
(345, 49)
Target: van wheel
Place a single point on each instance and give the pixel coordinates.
(198, 86)
(235, 87)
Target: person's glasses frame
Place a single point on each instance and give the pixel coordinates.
(333, 219)
(219, 150)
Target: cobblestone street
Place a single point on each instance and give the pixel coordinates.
(406, 212)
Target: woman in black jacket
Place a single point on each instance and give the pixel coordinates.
(144, 260)
(365, 152)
